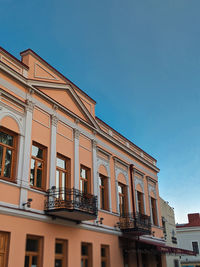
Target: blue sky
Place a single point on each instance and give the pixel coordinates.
(140, 60)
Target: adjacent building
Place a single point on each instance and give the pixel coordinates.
(169, 231)
(188, 236)
(73, 191)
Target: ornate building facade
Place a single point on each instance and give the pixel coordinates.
(73, 191)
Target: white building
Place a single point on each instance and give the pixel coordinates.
(188, 236)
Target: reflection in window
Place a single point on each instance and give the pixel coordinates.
(7, 154)
(37, 166)
(84, 180)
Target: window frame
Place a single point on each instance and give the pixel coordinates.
(195, 241)
(89, 256)
(44, 164)
(39, 253)
(154, 211)
(140, 202)
(67, 170)
(63, 255)
(107, 257)
(105, 187)
(14, 149)
(122, 195)
(5, 252)
(88, 179)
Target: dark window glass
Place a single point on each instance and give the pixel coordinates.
(195, 247)
(59, 248)
(8, 161)
(103, 252)
(6, 139)
(84, 250)
(58, 263)
(26, 261)
(176, 264)
(32, 245)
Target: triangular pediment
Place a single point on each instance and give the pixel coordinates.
(67, 100)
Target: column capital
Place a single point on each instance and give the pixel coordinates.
(54, 120)
(76, 134)
(94, 143)
(29, 105)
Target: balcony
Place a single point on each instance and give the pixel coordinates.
(71, 204)
(135, 223)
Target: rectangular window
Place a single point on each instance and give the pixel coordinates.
(8, 146)
(62, 175)
(105, 257)
(195, 247)
(122, 198)
(60, 253)
(103, 188)
(176, 263)
(33, 255)
(4, 248)
(84, 179)
(154, 211)
(140, 202)
(86, 255)
(38, 166)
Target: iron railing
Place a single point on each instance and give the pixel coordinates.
(70, 199)
(135, 222)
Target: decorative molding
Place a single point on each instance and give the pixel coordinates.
(76, 134)
(30, 105)
(140, 182)
(54, 120)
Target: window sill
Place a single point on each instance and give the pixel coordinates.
(37, 190)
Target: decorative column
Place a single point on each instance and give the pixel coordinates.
(76, 159)
(52, 172)
(95, 176)
(27, 152)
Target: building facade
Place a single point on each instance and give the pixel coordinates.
(188, 236)
(73, 191)
(169, 231)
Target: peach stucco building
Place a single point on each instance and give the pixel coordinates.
(73, 191)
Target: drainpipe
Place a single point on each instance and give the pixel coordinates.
(134, 212)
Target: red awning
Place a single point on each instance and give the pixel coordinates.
(174, 250)
(167, 249)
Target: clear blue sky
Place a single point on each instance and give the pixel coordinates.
(140, 60)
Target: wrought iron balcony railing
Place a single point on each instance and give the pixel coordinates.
(71, 204)
(136, 223)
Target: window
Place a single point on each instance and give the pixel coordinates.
(62, 174)
(103, 188)
(86, 255)
(140, 202)
(195, 247)
(60, 253)
(8, 145)
(85, 179)
(154, 211)
(176, 263)
(105, 256)
(4, 248)
(38, 162)
(122, 198)
(33, 255)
